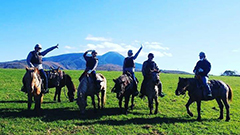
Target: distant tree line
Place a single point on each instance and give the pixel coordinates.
(230, 73)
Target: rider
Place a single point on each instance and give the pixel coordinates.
(149, 65)
(91, 65)
(202, 69)
(34, 59)
(128, 66)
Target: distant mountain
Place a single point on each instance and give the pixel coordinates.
(111, 61)
(75, 61)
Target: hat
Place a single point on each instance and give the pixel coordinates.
(151, 54)
(130, 52)
(94, 52)
(202, 55)
(38, 46)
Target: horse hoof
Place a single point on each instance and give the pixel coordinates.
(198, 119)
(220, 118)
(190, 114)
(227, 119)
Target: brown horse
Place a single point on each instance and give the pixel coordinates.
(33, 83)
(220, 91)
(87, 88)
(65, 80)
(124, 87)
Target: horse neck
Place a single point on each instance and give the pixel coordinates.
(84, 85)
(192, 82)
(68, 82)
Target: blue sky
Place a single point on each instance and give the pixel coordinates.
(175, 30)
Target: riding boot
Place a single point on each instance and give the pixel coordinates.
(209, 92)
(160, 93)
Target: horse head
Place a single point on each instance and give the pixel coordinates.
(36, 81)
(182, 87)
(155, 76)
(70, 86)
(82, 93)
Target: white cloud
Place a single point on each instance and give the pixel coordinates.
(236, 50)
(69, 47)
(92, 38)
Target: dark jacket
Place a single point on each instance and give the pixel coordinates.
(91, 62)
(205, 65)
(147, 67)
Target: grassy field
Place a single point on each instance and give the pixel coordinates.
(64, 117)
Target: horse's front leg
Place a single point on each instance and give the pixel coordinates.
(59, 93)
(190, 101)
(150, 104)
(132, 102)
(29, 101)
(199, 110)
(156, 104)
(93, 103)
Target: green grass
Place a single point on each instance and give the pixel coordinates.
(64, 117)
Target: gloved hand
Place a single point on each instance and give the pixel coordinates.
(57, 45)
(89, 71)
(200, 70)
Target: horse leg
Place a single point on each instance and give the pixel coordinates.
(227, 106)
(93, 103)
(54, 99)
(150, 104)
(132, 102)
(199, 110)
(221, 108)
(103, 96)
(59, 93)
(99, 100)
(126, 103)
(190, 101)
(156, 104)
(29, 101)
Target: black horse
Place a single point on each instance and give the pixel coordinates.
(220, 91)
(65, 80)
(124, 87)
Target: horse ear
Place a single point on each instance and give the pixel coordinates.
(114, 80)
(58, 68)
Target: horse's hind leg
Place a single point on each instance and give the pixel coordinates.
(55, 95)
(190, 101)
(221, 108)
(156, 104)
(227, 106)
(126, 104)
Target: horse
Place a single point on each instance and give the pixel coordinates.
(65, 80)
(87, 88)
(33, 84)
(124, 87)
(221, 92)
(152, 90)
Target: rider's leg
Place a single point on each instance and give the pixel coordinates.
(44, 76)
(207, 87)
(160, 93)
(135, 93)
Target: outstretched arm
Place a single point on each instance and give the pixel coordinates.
(136, 55)
(85, 54)
(49, 50)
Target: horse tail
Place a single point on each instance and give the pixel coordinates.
(103, 89)
(230, 93)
